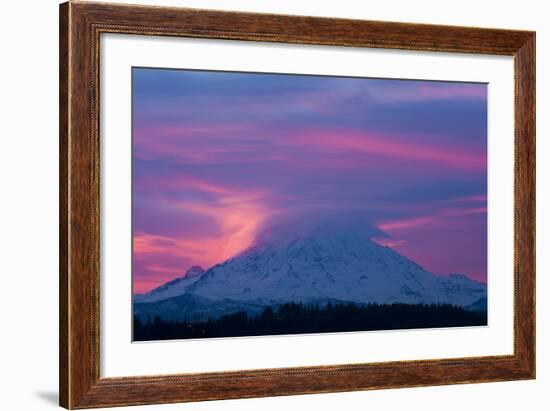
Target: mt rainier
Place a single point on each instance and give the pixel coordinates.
(319, 265)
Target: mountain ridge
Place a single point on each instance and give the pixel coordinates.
(172, 288)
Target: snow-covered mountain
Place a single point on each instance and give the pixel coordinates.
(174, 288)
(328, 264)
(324, 263)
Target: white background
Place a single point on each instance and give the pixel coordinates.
(28, 218)
(121, 358)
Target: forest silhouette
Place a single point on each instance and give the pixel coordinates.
(298, 318)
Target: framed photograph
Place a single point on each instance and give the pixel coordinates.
(259, 205)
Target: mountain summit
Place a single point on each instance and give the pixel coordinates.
(195, 271)
(173, 288)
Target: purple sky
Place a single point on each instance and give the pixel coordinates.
(218, 156)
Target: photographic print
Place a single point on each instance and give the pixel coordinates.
(262, 187)
(272, 204)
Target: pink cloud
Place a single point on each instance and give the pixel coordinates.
(405, 223)
(237, 213)
(432, 91)
(150, 244)
(238, 217)
(474, 198)
(440, 218)
(435, 91)
(466, 211)
(432, 240)
(206, 145)
(339, 141)
(181, 182)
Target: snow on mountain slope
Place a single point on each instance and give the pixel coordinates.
(190, 307)
(326, 263)
(172, 288)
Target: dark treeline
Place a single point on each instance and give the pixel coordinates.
(294, 318)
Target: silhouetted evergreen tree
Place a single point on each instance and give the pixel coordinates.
(297, 318)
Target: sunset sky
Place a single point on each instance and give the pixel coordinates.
(219, 156)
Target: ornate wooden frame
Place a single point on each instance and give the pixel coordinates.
(81, 24)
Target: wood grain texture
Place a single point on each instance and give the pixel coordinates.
(525, 203)
(80, 27)
(63, 204)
